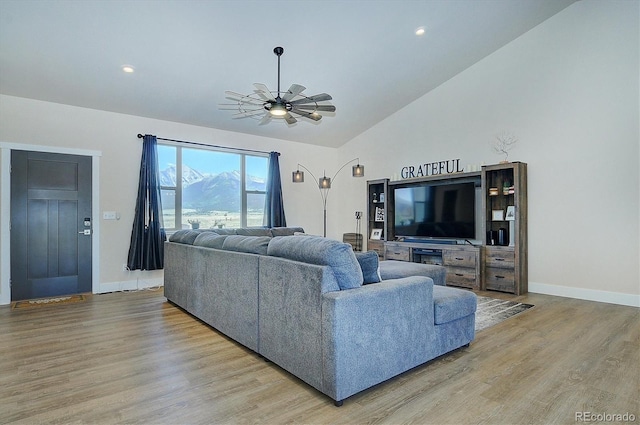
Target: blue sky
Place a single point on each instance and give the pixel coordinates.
(211, 162)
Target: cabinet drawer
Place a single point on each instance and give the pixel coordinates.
(395, 252)
(459, 258)
(377, 246)
(500, 258)
(497, 279)
(461, 276)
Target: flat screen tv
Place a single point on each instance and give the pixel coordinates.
(435, 211)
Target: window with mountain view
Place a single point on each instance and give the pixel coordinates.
(217, 189)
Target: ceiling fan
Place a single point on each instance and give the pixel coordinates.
(265, 104)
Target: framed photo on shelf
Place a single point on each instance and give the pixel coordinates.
(497, 215)
(511, 213)
(379, 214)
(376, 234)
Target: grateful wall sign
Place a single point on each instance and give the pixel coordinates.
(431, 169)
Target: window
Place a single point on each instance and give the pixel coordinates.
(218, 189)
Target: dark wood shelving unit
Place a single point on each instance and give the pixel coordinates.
(504, 188)
(377, 213)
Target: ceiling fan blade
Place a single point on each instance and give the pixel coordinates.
(265, 120)
(230, 93)
(294, 90)
(311, 116)
(289, 119)
(244, 114)
(235, 95)
(264, 90)
(323, 108)
(314, 98)
(241, 98)
(240, 105)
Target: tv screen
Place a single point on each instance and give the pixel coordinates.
(435, 211)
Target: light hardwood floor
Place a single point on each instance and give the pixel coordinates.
(134, 358)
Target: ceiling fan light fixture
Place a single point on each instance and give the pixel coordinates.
(278, 110)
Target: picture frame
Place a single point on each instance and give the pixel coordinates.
(376, 234)
(511, 213)
(497, 215)
(381, 198)
(379, 214)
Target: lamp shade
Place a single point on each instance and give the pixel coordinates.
(297, 176)
(324, 183)
(358, 170)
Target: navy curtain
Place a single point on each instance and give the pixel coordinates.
(146, 251)
(274, 207)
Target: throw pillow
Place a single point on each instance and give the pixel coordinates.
(370, 266)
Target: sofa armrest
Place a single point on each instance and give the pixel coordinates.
(375, 332)
(394, 269)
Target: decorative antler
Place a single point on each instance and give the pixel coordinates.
(504, 142)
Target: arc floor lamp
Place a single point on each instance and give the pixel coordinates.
(324, 183)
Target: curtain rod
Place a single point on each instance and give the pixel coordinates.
(140, 136)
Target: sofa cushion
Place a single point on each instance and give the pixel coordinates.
(250, 244)
(286, 231)
(177, 235)
(210, 240)
(370, 266)
(225, 231)
(450, 304)
(186, 236)
(253, 231)
(323, 252)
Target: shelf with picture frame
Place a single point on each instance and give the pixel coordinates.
(504, 207)
(377, 214)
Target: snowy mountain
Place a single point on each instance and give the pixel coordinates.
(189, 175)
(220, 192)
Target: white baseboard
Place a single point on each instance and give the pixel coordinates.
(632, 300)
(130, 285)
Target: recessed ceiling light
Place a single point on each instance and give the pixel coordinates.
(128, 69)
(420, 31)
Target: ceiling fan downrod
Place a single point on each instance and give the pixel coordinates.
(278, 51)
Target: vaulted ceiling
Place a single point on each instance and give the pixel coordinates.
(187, 53)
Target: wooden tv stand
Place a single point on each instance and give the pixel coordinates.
(463, 262)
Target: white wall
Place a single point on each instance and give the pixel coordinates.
(29, 122)
(568, 89)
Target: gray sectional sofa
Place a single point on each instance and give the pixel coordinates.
(340, 321)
